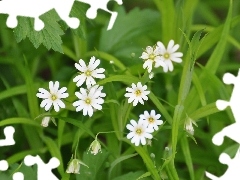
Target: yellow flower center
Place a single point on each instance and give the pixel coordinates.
(151, 57)
(88, 73)
(151, 120)
(166, 55)
(138, 92)
(53, 97)
(139, 131)
(88, 101)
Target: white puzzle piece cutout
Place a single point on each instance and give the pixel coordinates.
(36, 8)
(101, 4)
(232, 172)
(3, 165)
(18, 176)
(8, 132)
(231, 131)
(44, 171)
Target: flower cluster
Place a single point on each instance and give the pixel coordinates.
(159, 55)
(90, 99)
(147, 123)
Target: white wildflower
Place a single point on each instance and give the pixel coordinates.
(89, 99)
(139, 132)
(88, 72)
(53, 96)
(152, 58)
(152, 119)
(74, 166)
(137, 93)
(169, 54)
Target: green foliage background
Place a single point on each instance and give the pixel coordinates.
(208, 34)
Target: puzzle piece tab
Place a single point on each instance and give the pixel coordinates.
(36, 8)
(44, 170)
(8, 132)
(97, 4)
(232, 172)
(232, 130)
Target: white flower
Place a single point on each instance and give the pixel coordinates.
(189, 127)
(152, 58)
(45, 121)
(53, 97)
(137, 93)
(74, 166)
(89, 99)
(139, 132)
(168, 55)
(95, 146)
(88, 73)
(152, 119)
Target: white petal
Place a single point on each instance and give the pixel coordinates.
(149, 50)
(130, 135)
(56, 86)
(170, 65)
(170, 45)
(93, 64)
(174, 48)
(133, 122)
(56, 107)
(143, 140)
(130, 127)
(144, 56)
(48, 105)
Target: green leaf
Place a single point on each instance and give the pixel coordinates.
(215, 59)
(133, 27)
(50, 36)
(96, 164)
(119, 160)
(131, 175)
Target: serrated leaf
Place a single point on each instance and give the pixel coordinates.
(50, 36)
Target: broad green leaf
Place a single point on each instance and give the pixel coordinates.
(50, 36)
(117, 37)
(96, 164)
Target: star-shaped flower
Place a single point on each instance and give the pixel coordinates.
(88, 72)
(89, 99)
(169, 54)
(152, 58)
(139, 132)
(137, 93)
(53, 96)
(152, 119)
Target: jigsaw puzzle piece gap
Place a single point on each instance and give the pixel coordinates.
(63, 8)
(12, 21)
(8, 132)
(44, 170)
(18, 176)
(95, 5)
(3, 165)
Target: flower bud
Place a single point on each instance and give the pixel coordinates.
(95, 146)
(73, 166)
(189, 127)
(45, 121)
